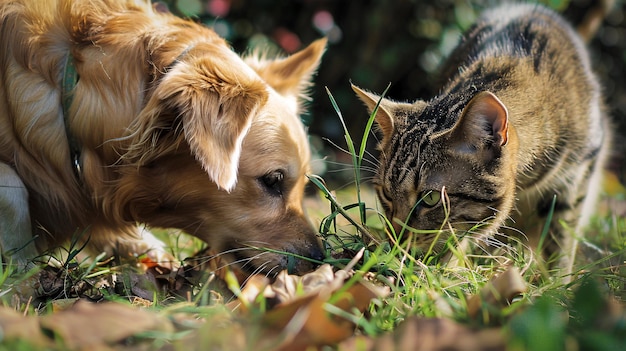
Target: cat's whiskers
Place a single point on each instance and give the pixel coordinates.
(371, 158)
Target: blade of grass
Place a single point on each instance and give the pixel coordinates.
(73, 251)
(317, 181)
(357, 159)
(350, 143)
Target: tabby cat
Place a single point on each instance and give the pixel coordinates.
(519, 132)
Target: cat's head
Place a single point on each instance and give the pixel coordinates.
(444, 163)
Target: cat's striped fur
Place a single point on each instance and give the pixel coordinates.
(520, 121)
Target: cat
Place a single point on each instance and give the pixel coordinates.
(518, 133)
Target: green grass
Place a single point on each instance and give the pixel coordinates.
(428, 287)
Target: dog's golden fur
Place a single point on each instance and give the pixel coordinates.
(175, 130)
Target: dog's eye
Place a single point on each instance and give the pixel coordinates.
(273, 182)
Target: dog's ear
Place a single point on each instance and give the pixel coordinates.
(290, 76)
(215, 122)
(211, 103)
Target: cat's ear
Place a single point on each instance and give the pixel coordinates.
(384, 118)
(484, 118)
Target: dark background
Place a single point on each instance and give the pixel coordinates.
(373, 43)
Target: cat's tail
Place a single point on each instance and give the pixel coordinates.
(588, 28)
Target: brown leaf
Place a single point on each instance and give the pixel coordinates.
(88, 325)
(141, 285)
(255, 285)
(219, 331)
(312, 325)
(299, 309)
(288, 287)
(430, 334)
(63, 304)
(46, 282)
(498, 292)
(15, 326)
(302, 314)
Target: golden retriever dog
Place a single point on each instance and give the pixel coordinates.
(114, 114)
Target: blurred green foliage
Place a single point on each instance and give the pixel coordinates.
(377, 42)
(589, 321)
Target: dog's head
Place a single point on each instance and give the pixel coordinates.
(219, 150)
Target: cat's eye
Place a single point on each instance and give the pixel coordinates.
(430, 198)
(273, 182)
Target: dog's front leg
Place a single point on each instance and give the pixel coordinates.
(16, 236)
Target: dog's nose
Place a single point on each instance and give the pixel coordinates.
(316, 252)
(302, 266)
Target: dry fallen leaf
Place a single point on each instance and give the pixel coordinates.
(498, 292)
(88, 325)
(15, 326)
(83, 326)
(301, 306)
(430, 334)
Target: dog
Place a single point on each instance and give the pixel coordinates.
(115, 114)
